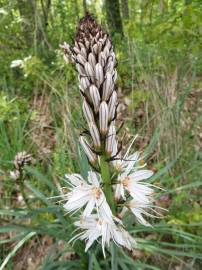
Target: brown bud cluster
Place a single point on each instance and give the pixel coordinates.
(95, 62)
(21, 159)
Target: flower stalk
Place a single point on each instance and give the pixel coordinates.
(106, 177)
(117, 186)
(21, 159)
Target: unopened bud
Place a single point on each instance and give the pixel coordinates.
(103, 118)
(80, 69)
(81, 59)
(76, 50)
(92, 60)
(84, 83)
(92, 157)
(107, 86)
(87, 43)
(99, 74)
(112, 105)
(99, 46)
(83, 52)
(89, 71)
(102, 59)
(95, 97)
(106, 51)
(110, 66)
(81, 45)
(88, 113)
(95, 135)
(95, 49)
(110, 140)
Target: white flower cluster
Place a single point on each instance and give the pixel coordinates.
(97, 219)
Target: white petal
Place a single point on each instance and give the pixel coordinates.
(89, 207)
(75, 179)
(141, 175)
(105, 212)
(93, 178)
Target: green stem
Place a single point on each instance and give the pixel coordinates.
(22, 191)
(105, 173)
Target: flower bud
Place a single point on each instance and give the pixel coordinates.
(92, 157)
(81, 59)
(92, 60)
(94, 134)
(102, 59)
(97, 35)
(95, 97)
(81, 45)
(83, 52)
(80, 69)
(107, 86)
(99, 46)
(112, 105)
(89, 71)
(84, 83)
(99, 74)
(95, 49)
(110, 140)
(110, 66)
(106, 51)
(87, 43)
(103, 118)
(76, 50)
(88, 113)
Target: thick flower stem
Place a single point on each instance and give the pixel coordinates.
(105, 173)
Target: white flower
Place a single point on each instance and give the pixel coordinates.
(140, 208)
(16, 63)
(130, 177)
(94, 227)
(135, 188)
(19, 63)
(130, 174)
(123, 238)
(87, 194)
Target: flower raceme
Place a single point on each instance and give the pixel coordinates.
(95, 63)
(118, 185)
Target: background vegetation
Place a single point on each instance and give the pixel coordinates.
(158, 46)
